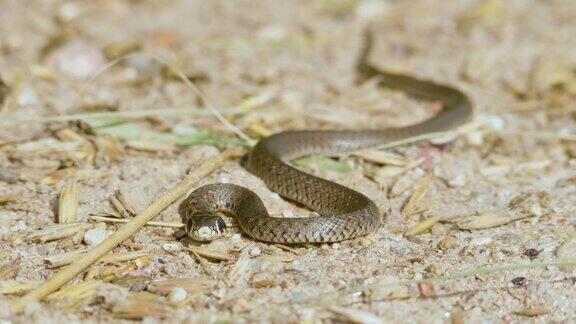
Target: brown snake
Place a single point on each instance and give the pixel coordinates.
(345, 213)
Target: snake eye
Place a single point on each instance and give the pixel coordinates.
(221, 225)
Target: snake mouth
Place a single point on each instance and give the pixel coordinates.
(205, 227)
(204, 234)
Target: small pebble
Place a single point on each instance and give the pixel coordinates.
(398, 248)
(19, 226)
(371, 11)
(171, 247)
(143, 64)
(401, 185)
(27, 96)
(475, 138)
(224, 178)
(69, 11)
(519, 281)
(481, 240)
(272, 33)
(236, 238)
(492, 121)
(547, 244)
(255, 251)
(78, 58)
(177, 294)
(183, 129)
(531, 253)
(95, 236)
(447, 244)
(536, 210)
(458, 181)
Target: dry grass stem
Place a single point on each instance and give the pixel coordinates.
(67, 258)
(125, 114)
(411, 207)
(59, 231)
(124, 204)
(126, 231)
(10, 287)
(78, 290)
(277, 258)
(487, 220)
(59, 260)
(192, 286)
(121, 220)
(8, 198)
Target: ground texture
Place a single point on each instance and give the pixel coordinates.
(476, 228)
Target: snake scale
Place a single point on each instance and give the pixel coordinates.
(345, 213)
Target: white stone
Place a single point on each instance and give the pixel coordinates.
(177, 294)
(171, 247)
(236, 238)
(458, 181)
(371, 10)
(272, 33)
(95, 236)
(255, 251)
(481, 240)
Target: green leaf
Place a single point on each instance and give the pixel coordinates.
(133, 131)
(324, 163)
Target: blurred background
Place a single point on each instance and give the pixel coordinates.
(120, 97)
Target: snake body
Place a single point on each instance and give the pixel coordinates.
(345, 213)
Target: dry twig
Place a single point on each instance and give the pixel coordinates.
(124, 232)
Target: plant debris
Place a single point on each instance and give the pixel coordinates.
(103, 110)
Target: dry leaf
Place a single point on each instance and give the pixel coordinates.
(411, 206)
(427, 289)
(8, 198)
(68, 204)
(192, 286)
(532, 312)
(487, 220)
(210, 253)
(423, 226)
(15, 287)
(10, 270)
(140, 305)
(241, 265)
(150, 145)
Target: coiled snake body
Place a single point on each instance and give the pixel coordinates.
(345, 213)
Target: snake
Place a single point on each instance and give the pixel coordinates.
(344, 213)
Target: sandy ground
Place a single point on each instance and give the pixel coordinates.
(499, 199)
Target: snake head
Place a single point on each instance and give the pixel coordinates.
(205, 226)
